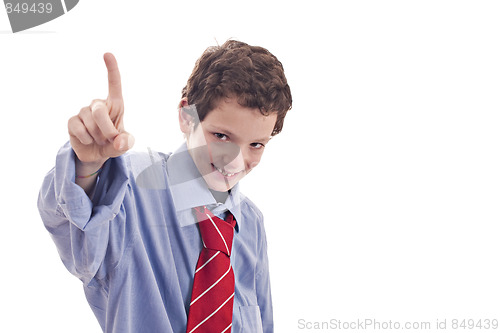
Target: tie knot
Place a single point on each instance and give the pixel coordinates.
(216, 233)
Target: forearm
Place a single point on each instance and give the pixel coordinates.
(78, 224)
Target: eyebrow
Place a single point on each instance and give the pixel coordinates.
(264, 139)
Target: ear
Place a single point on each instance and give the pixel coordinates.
(183, 102)
(185, 119)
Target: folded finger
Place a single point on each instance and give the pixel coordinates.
(77, 129)
(100, 113)
(88, 121)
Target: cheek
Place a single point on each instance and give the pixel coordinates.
(196, 137)
(252, 160)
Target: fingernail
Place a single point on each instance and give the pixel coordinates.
(127, 143)
(123, 144)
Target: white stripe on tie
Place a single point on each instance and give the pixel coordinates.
(227, 328)
(215, 255)
(227, 249)
(220, 307)
(197, 298)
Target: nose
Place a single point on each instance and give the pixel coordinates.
(245, 160)
(226, 155)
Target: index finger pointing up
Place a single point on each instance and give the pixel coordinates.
(114, 80)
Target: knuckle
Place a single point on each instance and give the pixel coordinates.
(97, 100)
(72, 119)
(97, 113)
(97, 104)
(84, 112)
(72, 122)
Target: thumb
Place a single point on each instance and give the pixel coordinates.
(121, 143)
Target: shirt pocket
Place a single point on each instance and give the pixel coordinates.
(250, 319)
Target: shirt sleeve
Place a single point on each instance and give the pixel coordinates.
(263, 287)
(85, 231)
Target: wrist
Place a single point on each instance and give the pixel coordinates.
(88, 169)
(86, 174)
(90, 175)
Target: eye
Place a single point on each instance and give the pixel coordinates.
(221, 137)
(257, 145)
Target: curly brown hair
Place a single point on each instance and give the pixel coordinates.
(251, 74)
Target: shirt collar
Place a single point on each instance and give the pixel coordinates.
(190, 190)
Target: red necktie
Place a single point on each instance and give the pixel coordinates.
(211, 308)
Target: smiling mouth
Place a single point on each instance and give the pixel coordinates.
(225, 173)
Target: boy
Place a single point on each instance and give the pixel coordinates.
(167, 243)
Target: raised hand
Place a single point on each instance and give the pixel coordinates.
(97, 131)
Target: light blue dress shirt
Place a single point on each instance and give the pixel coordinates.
(135, 243)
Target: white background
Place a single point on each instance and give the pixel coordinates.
(381, 195)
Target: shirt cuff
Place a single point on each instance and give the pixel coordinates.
(72, 200)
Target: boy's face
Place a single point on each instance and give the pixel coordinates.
(229, 141)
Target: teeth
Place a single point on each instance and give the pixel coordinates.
(227, 174)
